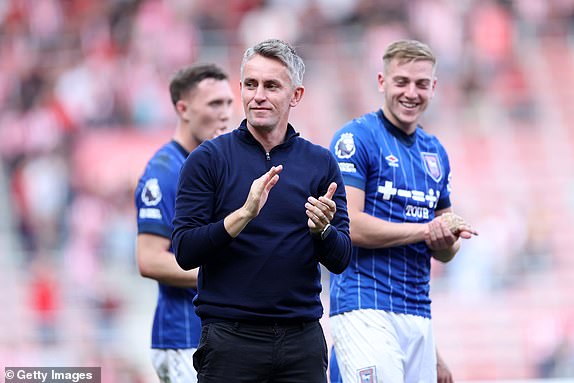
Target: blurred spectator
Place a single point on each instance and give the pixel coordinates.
(40, 191)
(560, 363)
(45, 301)
(86, 217)
(514, 93)
(108, 306)
(85, 92)
(118, 246)
(277, 21)
(491, 46)
(534, 254)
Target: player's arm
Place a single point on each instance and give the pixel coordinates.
(371, 232)
(155, 261)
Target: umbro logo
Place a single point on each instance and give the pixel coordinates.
(392, 161)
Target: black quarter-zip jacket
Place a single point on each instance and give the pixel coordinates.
(270, 272)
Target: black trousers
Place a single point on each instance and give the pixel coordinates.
(230, 352)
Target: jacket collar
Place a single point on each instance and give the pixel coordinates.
(245, 135)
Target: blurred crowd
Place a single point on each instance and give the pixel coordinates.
(72, 71)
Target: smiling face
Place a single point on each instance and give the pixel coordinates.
(408, 87)
(267, 93)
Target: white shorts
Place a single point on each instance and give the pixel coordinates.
(376, 346)
(174, 366)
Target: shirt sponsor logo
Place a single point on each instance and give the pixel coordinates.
(432, 165)
(345, 146)
(388, 190)
(368, 375)
(347, 167)
(151, 193)
(150, 213)
(392, 161)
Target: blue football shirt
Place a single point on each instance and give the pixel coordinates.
(175, 324)
(405, 179)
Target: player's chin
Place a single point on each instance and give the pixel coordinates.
(410, 117)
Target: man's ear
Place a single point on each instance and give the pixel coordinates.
(181, 108)
(433, 88)
(380, 81)
(297, 96)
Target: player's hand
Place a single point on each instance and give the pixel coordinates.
(458, 226)
(438, 236)
(443, 374)
(321, 211)
(259, 191)
(443, 231)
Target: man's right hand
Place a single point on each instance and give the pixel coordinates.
(235, 222)
(260, 191)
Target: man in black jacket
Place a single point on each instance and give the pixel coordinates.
(258, 209)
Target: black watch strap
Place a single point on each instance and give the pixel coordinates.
(325, 232)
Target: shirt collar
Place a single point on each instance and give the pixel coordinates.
(407, 139)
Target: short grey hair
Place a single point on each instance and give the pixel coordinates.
(280, 50)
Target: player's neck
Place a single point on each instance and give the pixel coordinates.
(407, 129)
(188, 142)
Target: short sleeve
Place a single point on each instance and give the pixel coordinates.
(155, 200)
(351, 153)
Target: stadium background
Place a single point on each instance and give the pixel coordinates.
(84, 103)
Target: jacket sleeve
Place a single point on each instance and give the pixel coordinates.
(195, 236)
(334, 252)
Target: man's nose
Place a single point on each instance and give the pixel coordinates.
(260, 94)
(411, 90)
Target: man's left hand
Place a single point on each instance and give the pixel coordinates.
(321, 211)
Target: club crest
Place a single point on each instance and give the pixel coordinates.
(345, 146)
(367, 375)
(432, 165)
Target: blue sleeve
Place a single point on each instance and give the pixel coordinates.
(195, 236)
(351, 154)
(444, 199)
(155, 198)
(334, 252)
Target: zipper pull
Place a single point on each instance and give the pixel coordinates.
(267, 156)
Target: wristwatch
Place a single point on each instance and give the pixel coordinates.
(325, 232)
